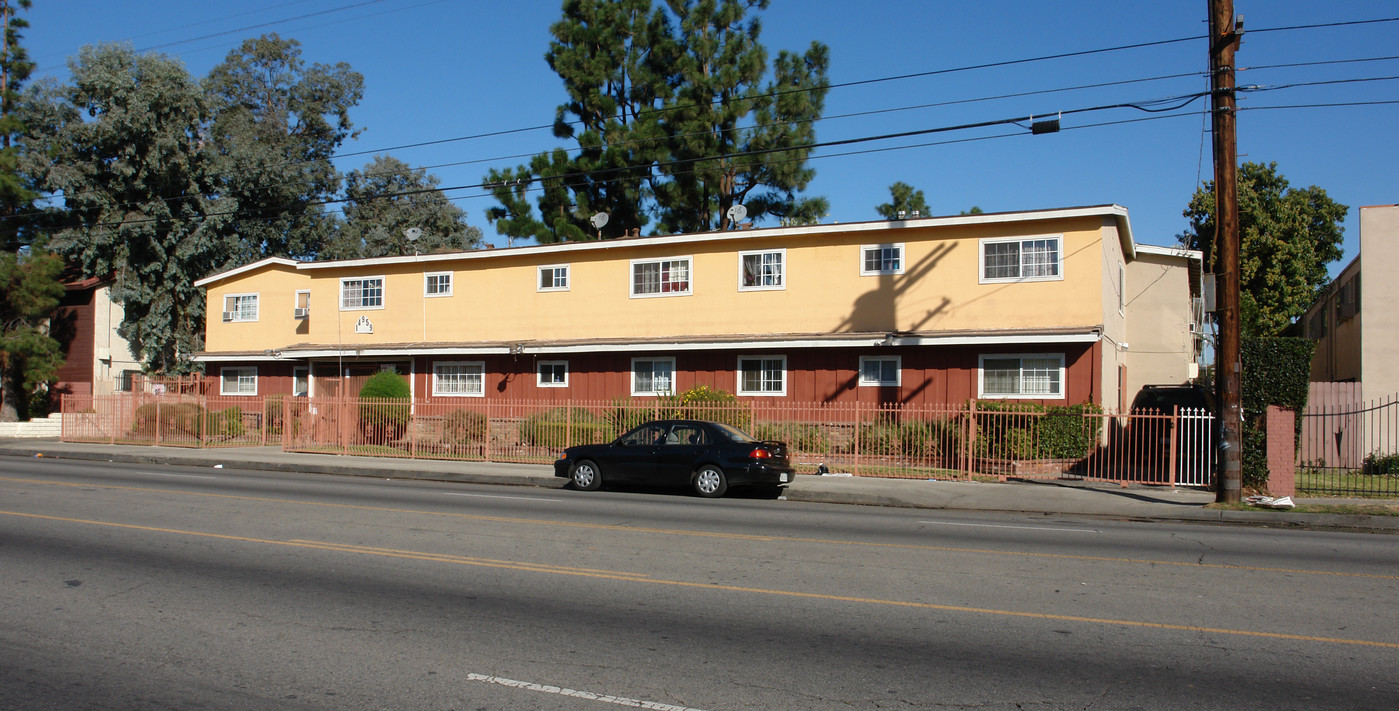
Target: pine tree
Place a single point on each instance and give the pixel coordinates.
(387, 198)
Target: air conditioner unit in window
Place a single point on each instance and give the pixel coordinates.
(303, 313)
(228, 315)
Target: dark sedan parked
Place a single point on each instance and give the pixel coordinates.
(709, 457)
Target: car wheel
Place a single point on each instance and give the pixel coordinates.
(709, 482)
(585, 476)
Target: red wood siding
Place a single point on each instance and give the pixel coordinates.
(73, 327)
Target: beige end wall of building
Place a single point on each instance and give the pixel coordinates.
(1379, 294)
(111, 352)
(1161, 346)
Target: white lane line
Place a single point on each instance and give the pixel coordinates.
(183, 476)
(496, 496)
(1025, 528)
(588, 695)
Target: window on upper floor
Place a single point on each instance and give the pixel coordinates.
(464, 378)
(759, 271)
(437, 284)
(652, 376)
(762, 375)
(553, 374)
(1032, 376)
(880, 371)
(553, 277)
(1032, 259)
(238, 381)
(240, 307)
(876, 259)
(660, 277)
(361, 293)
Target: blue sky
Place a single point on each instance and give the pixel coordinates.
(447, 69)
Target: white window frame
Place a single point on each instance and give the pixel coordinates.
(898, 362)
(689, 281)
(1058, 274)
(361, 307)
(897, 246)
(653, 359)
(539, 373)
(763, 361)
(242, 372)
(761, 253)
(981, 376)
(238, 313)
(554, 278)
(437, 389)
(427, 282)
(301, 369)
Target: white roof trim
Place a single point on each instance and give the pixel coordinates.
(215, 358)
(1171, 251)
(1092, 337)
(1115, 211)
(247, 268)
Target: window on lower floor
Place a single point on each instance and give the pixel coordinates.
(880, 371)
(238, 381)
(652, 376)
(553, 373)
(1039, 375)
(762, 375)
(126, 380)
(300, 381)
(459, 379)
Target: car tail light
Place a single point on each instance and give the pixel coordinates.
(760, 453)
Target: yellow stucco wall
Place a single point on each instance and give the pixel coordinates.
(496, 298)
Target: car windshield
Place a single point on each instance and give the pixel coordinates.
(733, 433)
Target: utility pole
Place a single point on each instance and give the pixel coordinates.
(1224, 40)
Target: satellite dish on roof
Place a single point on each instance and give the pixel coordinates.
(413, 233)
(737, 213)
(598, 220)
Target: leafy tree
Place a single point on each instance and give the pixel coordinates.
(973, 211)
(1287, 237)
(715, 162)
(16, 197)
(29, 357)
(388, 197)
(276, 124)
(122, 144)
(903, 198)
(671, 118)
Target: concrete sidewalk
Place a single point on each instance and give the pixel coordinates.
(1043, 497)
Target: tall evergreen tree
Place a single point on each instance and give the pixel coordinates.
(734, 139)
(903, 198)
(276, 124)
(1287, 237)
(387, 198)
(671, 118)
(29, 355)
(122, 144)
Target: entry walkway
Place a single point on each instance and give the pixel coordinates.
(1038, 497)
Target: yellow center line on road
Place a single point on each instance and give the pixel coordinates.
(639, 578)
(713, 534)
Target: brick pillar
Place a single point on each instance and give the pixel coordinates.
(1282, 451)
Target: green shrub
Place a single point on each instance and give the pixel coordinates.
(561, 427)
(386, 413)
(226, 423)
(272, 414)
(624, 415)
(183, 419)
(463, 427)
(1069, 432)
(705, 403)
(798, 436)
(1377, 464)
(1276, 371)
(910, 439)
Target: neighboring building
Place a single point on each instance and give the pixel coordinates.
(97, 361)
(1353, 346)
(1027, 305)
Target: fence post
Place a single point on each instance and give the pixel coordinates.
(1175, 432)
(967, 448)
(568, 424)
(856, 466)
(486, 448)
(157, 422)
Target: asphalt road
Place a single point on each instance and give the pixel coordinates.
(139, 587)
